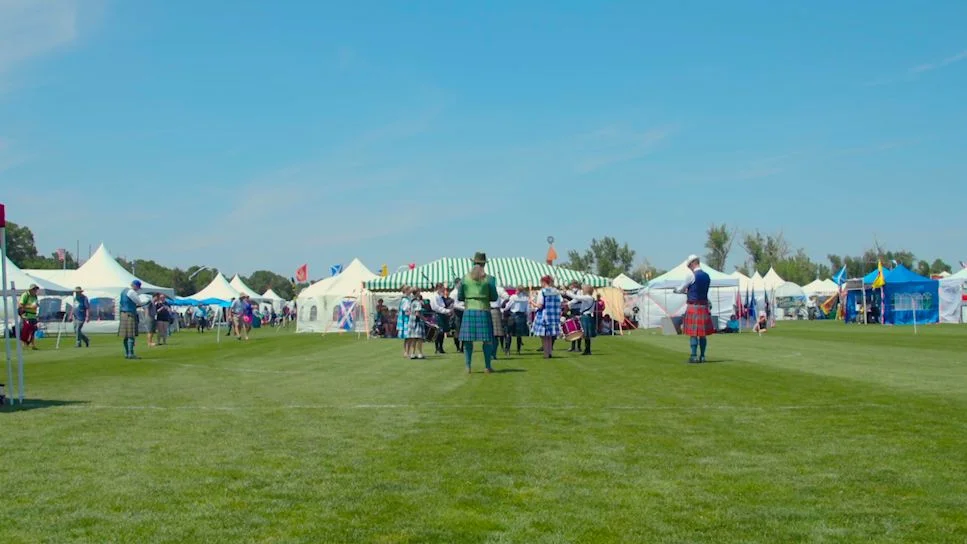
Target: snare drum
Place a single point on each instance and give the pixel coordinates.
(430, 331)
(572, 329)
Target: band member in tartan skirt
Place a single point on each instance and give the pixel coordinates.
(583, 305)
(547, 320)
(403, 321)
(477, 291)
(441, 314)
(417, 328)
(697, 324)
(497, 317)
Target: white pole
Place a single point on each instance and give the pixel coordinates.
(6, 309)
(20, 358)
(914, 300)
(218, 326)
(64, 324)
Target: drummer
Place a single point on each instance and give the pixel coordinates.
(583, 305)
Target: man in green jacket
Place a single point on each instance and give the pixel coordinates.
(477, 291)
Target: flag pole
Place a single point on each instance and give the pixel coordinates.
(20, 356)
(914, 300)
(6, 304)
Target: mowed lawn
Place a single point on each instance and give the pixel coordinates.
(816, 432)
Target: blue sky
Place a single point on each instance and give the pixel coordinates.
(250, 135)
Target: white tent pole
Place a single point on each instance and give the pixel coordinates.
(218, 325)
(20, 357)
(914, 300)
(63, 324)
(6, 308)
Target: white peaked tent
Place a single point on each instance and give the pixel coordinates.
(22, 281)
(771, 280)
(658, 300)
(338, 303)
(100, 275)
(273, 298)
(240, 286)
(626, 284)
(743, 280)
(820, 288)
(218, 288)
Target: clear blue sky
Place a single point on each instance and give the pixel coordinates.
(246, 135)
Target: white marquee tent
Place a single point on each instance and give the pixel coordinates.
(21, 282)
(743, 280)
(626, 284)
(658, 300)
(771, 280)
(103, 279)
(273, 298)
(820, 288)
(217, 288)
(337, 304)
(240, 286)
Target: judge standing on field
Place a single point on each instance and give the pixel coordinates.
(697, 324)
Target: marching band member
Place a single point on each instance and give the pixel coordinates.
(403, 321)
(584, 305)
(518, 306)
(441, 314)
(417, 328)
(477, 291)
(547, 321)
(457, 309)
(697, 324)
(497, 317)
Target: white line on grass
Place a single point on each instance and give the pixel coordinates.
(334, 407)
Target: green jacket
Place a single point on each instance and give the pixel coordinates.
(477, 295)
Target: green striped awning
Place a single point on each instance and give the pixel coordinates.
(510, 273)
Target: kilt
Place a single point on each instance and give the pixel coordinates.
(589, 325)
(546, 324)
(476, 326)
(415, 328)
(28, 327)
(442, 321)
(403, 325)
(518, 324)
(698, 320)
(128, 326)
(498, 321)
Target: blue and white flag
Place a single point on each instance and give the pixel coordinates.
(840, 277)
(335, 270)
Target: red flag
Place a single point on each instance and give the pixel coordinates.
(3, 216)
(412, 266)
(302, 274)
(61, 254)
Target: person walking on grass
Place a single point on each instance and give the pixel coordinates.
(128, 327)
(27, 307)
(477, 291)
(82, 314)
(697, 324)
(547, 318)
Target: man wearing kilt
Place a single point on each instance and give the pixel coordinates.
(477, 291)
(441, 315)
(518, 306)
(128, 325)
(697, 324)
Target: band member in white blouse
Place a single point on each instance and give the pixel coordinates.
(583, 305)
(442, 316)
(518, 306)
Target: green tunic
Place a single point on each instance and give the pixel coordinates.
(477, 295)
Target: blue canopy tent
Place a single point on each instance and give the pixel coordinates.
(909, 297)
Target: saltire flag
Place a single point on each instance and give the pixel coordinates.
(335, 270)
(302, 274)
(61, 254)
(840, 277)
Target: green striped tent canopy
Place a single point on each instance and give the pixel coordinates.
(510, 272)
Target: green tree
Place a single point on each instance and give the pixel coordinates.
(21, 248)
(938, 266)
(718, 244)
(605, 258)
(262, 280)
(922, 268)
(764, 251)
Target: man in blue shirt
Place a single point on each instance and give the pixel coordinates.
(697, 324)
(82, 314)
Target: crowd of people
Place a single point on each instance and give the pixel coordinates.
(477, 310)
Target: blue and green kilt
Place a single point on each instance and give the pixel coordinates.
(476, 326)
(128, 325)
(589, 325)
(402, 325)
(443, 321)
(698, 320)
(518, 324)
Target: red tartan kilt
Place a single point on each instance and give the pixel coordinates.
(698, 321)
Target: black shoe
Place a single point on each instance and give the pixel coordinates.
(693, 360)
(586, 353)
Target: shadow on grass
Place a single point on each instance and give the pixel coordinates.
(37, 404)
(508, 370)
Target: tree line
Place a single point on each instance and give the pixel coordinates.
(22, 250)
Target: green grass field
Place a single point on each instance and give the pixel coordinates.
(813, 433)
